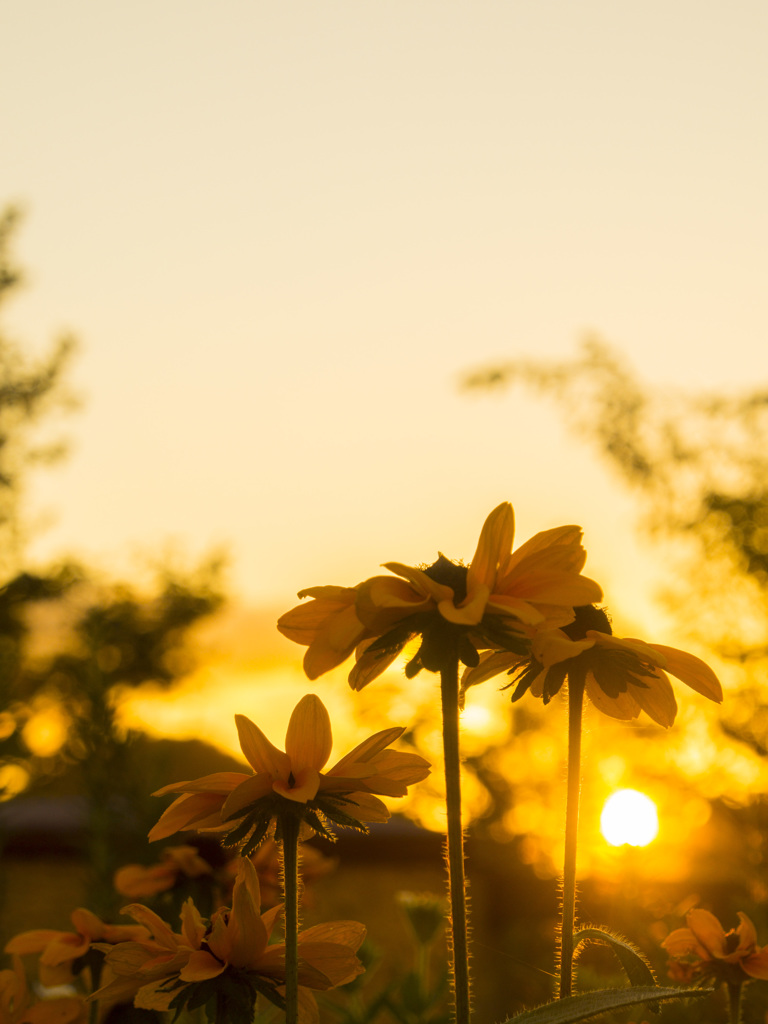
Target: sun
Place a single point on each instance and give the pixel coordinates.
(629, 818)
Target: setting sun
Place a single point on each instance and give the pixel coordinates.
(629, 818)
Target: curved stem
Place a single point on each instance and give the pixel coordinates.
(568, 910)
(449, 687)
(289, 828)
(734, 1003)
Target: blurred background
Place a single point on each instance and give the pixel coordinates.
(291, 290)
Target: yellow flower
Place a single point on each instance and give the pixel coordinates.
(135, 880)
(705, 950)
(58, 950)
(345, 793)
(161, 972)
(453, 607)
(17, 1006)
(622, 676)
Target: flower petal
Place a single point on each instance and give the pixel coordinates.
(494, 545)
(708, 931)
(218, 782)
(657, 699)
(624, 706)
(253, 788)
(308, 741)
(193, 810)
(692, 671)
(262, 755)
(367, 749)
(201, 966)
(305, 786)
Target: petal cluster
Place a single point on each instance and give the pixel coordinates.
(58, 950)
(295, 774)
(488, 600)
(703, 949)
(622, 676)
(162, 967)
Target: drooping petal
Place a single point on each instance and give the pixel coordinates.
(657, 699)
(369, 666)
(302, 623)
(624, 706)
(334, 643)
(692, 671)
(756, 964)
(747, 935)
(63, 950)
(335, 962)
(382, 601)
(309, 740)
(492, 663)
(367, 807)
(262, 755)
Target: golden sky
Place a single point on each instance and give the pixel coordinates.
(283, 230)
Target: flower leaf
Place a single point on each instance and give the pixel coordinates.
(635, 965)
(592, 1004)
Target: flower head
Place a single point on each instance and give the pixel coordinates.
(622, 677)
(704, 950)
(231, 955)
(18, 1006)
(293, 781)
(136, 880)
(60, 950)
(455, 608)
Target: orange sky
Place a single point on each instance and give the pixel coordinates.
(282, 231)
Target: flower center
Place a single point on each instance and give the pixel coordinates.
(450, 575)
(587, 617)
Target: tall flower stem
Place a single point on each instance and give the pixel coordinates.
(449, 687)
(289, 829)
(734, 1003)
(568, 911)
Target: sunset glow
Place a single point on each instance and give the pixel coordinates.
(629, 818)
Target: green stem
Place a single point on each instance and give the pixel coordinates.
(568, 910)
(289, 828)
(734, 1003)
(449, 687)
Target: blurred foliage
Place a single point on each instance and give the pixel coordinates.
(71, 642)
(30, 390)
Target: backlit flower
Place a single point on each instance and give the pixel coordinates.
(18, 1005)
(293, 780)
(163, 971)
(456, 609)
(622, 677)
(136, 880)
(59, 950)
(704, 950)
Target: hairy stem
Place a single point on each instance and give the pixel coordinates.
(734, 1003)
(449, 686)
(289, 828)
(568, 910)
